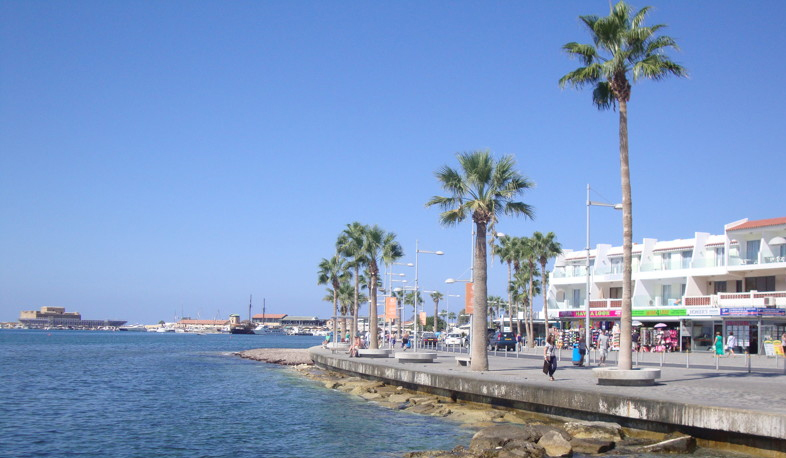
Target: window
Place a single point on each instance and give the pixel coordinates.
(760, 284)
(576, 297)
(616, 265)
(686, 258)
(752, 250)
(615, 292)
(720, 256)
(720, 287)
(665, 294)
(666, 257)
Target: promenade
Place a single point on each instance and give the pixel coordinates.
(728, 406)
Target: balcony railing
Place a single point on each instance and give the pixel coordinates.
(749, 299)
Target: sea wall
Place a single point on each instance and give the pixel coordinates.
(745, 428)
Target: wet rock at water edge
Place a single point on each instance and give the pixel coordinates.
(555, 444)
(594, 430)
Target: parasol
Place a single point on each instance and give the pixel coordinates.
(661, 325)
(636, 323)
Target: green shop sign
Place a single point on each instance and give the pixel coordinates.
(657, 312)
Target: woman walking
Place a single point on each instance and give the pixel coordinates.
(550, 357)
(718, 344)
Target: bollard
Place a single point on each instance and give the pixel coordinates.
(748, 358)
(687, 359)
(662, 353)
(717, 362)
(637, 358)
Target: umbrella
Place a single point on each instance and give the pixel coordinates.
(661, 325)
(636, 323)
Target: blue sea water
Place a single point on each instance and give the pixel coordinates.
(128, 394)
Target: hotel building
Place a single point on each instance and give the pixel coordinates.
(732, 282)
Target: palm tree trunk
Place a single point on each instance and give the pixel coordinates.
(626, 354)
(530, 325)
(335, 313)
(356, 307)
(436, 315)
(373, 336)
(545, 290)
(510, 304)
(478, 341)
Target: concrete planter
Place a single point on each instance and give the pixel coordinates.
(620, 377)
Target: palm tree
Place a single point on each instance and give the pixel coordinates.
(506, 252)
(414, 300)
(623, 49)
(525, 287)
(545, 248)
(436, 296)
(350, 245)
(378, 245)
(399, 295)
(332, 272)
(482, 189)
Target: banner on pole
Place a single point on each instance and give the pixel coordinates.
(469, 298)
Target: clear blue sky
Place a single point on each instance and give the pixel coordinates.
(166, 156)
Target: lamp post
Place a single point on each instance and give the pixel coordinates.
(447, 310)
(418, 251)
(588, 336)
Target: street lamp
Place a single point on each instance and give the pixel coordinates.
(447, 310)
(588, 336)
(418, 251)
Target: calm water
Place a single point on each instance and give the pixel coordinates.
(128, 394)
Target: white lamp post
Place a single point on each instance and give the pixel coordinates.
(418, 251)
(588, 335)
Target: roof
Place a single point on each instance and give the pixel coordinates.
(302, 318)
(269, 316)
(758, 223)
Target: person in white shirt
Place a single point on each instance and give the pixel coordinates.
(603, 346)
(731, 342)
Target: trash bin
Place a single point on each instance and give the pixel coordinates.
(576, 355)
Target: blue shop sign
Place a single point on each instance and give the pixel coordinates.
(760, 311)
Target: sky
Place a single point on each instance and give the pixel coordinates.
(162, 159)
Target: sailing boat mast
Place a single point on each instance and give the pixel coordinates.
(251, 296)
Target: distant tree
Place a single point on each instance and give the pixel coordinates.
(350, 245)
(436, 296)
(378, 246)
(545, 247)
(332, 272)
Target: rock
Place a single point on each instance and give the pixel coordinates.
(332, 384)
(591, 446)
(521, 450)
(501, 435)
(371, 396)
(398, 398)
(555, 444)
(594, 430)
(681, 444)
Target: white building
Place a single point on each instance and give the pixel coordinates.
(733, 282)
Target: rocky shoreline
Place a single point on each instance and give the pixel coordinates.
(501, 432)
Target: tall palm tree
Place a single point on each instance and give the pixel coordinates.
(525, 286)
(483, 189)
(378, 245)
(350, 245)
(526, 259)
(506, 252)
(436, 296)
(623, 49)
(332, 272)
(545, 248)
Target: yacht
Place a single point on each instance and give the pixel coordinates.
(264, 329)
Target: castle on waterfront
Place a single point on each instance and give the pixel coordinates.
(57, 317)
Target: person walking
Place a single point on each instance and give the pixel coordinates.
(718, 344)
(603, 346)
(549, 355)
(731, 342)
(582, 351)
(783, 342)
(405, 341)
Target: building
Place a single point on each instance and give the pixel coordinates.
(57, 317)
(302, 321)
(190, 325)
(269, 319)
(732, 282)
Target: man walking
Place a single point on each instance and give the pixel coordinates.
(731, 342)
(603, 346)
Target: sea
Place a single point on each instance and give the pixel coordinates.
(141, 395)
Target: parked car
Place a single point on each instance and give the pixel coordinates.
(490, 333)
(428, 339)
(455, 339)
(506, 340)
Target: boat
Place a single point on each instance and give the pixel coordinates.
(264, 329)
(133, 328)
